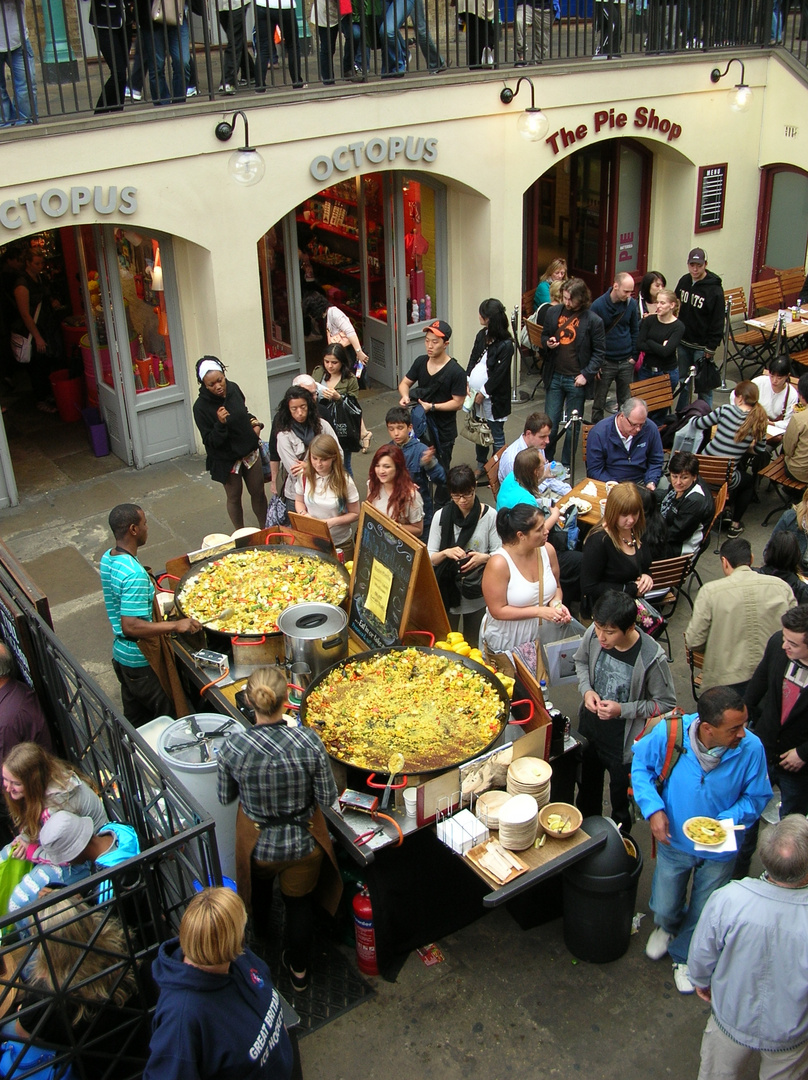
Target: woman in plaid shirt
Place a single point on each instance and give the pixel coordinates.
(281, 776)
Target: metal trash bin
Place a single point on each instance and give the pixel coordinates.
(600, 897)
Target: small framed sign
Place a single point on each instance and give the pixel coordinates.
(712, 192)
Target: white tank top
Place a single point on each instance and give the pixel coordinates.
(502, 635)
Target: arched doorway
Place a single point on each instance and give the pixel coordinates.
(592, 209)
(782, 228)
(376, 245)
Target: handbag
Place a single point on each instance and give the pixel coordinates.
(638, 363)
(475, 429)
(266, 464)
(345, 417)
(708, 377)
(648, 618)
(277, 513)
(170, 12)
(21, 344)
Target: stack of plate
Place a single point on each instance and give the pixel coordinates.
(530, 776)
(518, 822)
(487, 807)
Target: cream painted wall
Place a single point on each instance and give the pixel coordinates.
(179, 169)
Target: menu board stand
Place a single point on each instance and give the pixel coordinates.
(393, 586)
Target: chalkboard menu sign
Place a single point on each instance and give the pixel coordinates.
(711, 195)
(393, 586)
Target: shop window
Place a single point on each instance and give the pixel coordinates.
(420, 249)
(141, 275)
(373, 216)
(272, 265)
(785, 243)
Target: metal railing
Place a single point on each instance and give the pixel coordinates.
(146, 895)
(219, 49)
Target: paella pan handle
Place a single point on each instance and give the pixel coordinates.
(272, 537)
(166, 588)
(420, 633)
(381, 787)
(530, 710)
(248, 641)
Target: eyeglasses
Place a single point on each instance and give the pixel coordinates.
(629, 424)
(462, 496)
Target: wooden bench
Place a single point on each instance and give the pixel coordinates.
(787, 489)
(767, 296)
(656, 393)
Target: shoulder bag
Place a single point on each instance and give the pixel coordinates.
(475, 429)
(170, 12)
(21, 344)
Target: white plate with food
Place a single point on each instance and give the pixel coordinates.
(583, 506)
(709, 834)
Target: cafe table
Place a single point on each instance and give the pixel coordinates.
(591, 517)
(767, 325)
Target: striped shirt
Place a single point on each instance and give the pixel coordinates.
(128, 590)
(729, 419)
(277, 771)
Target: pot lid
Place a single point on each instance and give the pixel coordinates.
(195, 740)
(312, 622)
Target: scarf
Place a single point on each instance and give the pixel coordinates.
(448, 572)
(304, 432)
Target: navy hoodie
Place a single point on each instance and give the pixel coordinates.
(702, 310)
(217, 1027)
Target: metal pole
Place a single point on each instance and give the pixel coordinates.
(517, 396)
(724, 384)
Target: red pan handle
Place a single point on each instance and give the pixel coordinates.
(256, 641)
(162, 577)
(529, 717)
(419, 633)
(381, 787)
(281, 532)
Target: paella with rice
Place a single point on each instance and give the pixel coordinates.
(434, 709)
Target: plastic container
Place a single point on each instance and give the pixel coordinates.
(96, 431)
(69, 395)
(600, 895)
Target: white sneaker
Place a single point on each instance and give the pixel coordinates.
(658, 943)
(191, 91)
(681, 977)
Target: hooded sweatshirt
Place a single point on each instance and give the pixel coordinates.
(217, 1027)
(702, 310)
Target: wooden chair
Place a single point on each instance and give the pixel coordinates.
(791, 283)
(720, 503)
(534, 336)
(767, 296)
(492, 470)
(656, 393)
(788, 490)
(669, 576)
(695, 661)
(585, 429)
(715, 471)
(749, 350)
(527, 302)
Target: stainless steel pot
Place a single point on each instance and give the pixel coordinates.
(314, 634)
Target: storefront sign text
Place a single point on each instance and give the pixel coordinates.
(607, 119)
(56, 202)
(375, 151)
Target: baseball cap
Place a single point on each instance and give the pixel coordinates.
(65, 835)
(440, 328)
(697, 255)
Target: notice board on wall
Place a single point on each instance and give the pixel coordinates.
(711, 196)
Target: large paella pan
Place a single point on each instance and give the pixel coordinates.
(436, 708)
(253, 585)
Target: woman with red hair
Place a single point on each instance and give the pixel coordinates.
(392, 492)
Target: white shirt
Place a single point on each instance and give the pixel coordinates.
(624, 439)
(775, 403)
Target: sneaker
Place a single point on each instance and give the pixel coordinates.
(734, 530)
(226, 88)
(135, 95)
(681, 977)
(657, 944)
(300, 979)
(191, 91)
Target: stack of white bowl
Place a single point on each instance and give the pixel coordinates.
(518, 822)
(530, 776)
(487, 807)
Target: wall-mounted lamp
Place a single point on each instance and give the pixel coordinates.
(740, 97)
(532, 123)
(245, 165)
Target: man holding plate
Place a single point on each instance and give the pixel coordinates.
(720, 774)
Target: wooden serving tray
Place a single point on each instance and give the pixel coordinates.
(474, 854)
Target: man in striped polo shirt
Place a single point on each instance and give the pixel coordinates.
(128, 597)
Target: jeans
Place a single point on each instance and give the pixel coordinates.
(793, 800)
(619, 371)
(669, 893)
(21, 64)
(114, 47)
(176, 38)
(394, 56)
(562, 392)
(689, 356)
(649, 373)
(535, 24)
(327, 39)
(498, 431)
(266, 20)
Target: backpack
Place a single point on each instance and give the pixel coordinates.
(674, 746)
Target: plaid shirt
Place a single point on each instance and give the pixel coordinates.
(277, 771)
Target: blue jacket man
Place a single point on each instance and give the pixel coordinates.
(721, 773)
(626, 447)
(621, 321)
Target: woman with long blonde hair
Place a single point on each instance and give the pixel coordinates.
(556, 271)
(740, 429)
(326, 492)
(614, 555)
(659, 337)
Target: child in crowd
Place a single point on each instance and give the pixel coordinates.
(422, 461)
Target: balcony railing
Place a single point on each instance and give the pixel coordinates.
(68, 67)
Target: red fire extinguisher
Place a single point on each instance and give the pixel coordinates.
(365, 934)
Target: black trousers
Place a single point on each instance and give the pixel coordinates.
(142, 695)
(114, 47)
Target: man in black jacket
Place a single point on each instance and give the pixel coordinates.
(777, 699)
(574, 345)
(701, 296)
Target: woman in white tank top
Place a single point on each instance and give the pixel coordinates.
(520, 582)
